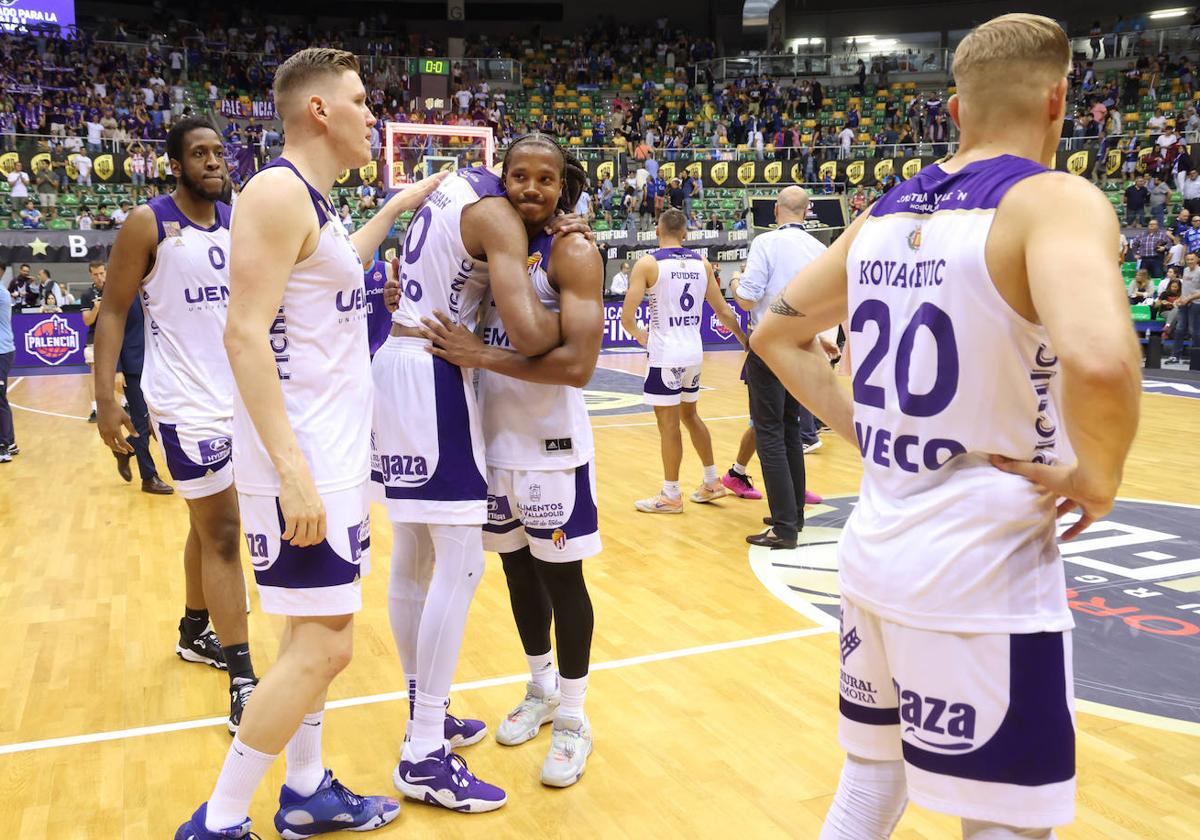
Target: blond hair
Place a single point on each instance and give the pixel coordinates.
(303, 67)
(1010, 49)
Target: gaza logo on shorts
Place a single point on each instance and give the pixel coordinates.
(931, 720)
(52, 340)
(215, 449)
(1132, 583)
(406, 469)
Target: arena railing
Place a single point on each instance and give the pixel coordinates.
(934, 60)
(1131, 43)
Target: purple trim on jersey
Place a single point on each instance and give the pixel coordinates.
(867, 714)
(311, 566)
(675, 254)
(1035, 743)
(456, 477)
(166, 210)
(584, 519)
(183, 468)
(485, 182)
(541, 244)
(320, 203)
(379, 320)
(977, 186)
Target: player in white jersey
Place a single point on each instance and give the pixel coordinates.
(296, 336)
(677, 281)
(465, 241)
(961, 286)
(173, 254)
(542, 516)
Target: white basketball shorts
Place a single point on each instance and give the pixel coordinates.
(322, 579)
(984, 722)
(551, 511)
(197, 455)
(426, 438)
(671, 385)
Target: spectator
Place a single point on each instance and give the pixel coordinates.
(138, 164)
(47, 185)
(52, 286)
(620, 281)
(84, 220)
(583, 206)
(1141, 289)
(845, 140)
(1190, 190)
(50, 304)
(1151, 248)
(18, 185)
(346, 218)
(714, 222)
(1164, 304)
(34, 291)
(31, 217)
(58, 166)
(83, 169)
(367, 198)
(120, 214)
(675, 194)
(102, 221)
(1186, 320)
(1136, 199)
(858, 201)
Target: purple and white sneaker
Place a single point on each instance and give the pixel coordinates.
(459, 732)
(331, 808)
(443, 779)
(194, 828)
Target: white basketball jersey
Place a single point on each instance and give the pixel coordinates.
(676, 302)
(945, 374)
(436, 272)
(319, 339)
(531, 425)
(185, 297)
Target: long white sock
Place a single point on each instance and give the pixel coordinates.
(710, 473)
(241, 774)
(456, 574)
(305, 769)
(412, 566)
(573, 694)
(541, 671)
(870, 798)
(671, 489)
(976, 830)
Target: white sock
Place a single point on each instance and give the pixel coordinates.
(976, 830)
(93, 405)
(738, 469)
(428, 724)
(411, 681)
(710, 473)
(305, 770)
(241, 774)
(573, 694)
(671, 489)
(870, 798)
(541, 671)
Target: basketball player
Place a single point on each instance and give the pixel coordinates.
(376, 274)
(676, 279)
(430, 475)
(542, 515)
(956, 683)
(172, 253)
(297, 341)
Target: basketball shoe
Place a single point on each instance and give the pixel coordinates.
(331, 808)
(810, 448)
(239, 692)
(459, 732)
(525, 721)
(205, 648)
(194, 828)
(443, 779)
(570, 746)
(708, 492)
(659, 504)
(740, 485)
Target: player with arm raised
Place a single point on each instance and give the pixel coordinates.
(956, 683)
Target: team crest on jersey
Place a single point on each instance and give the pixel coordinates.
(914, 239)
(534, 260)
(560, 538)
(52, 340)
(1132, 584)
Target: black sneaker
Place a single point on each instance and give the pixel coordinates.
(92, 416)
(205, 648)
(239, 692)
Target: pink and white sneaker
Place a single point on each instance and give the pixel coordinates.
(740, 485)
(811, 498)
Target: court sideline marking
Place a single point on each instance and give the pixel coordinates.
(510, 679)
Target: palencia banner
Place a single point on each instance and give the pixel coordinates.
(18, 246)
(107, 167)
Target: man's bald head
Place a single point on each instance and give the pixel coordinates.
(791, 205)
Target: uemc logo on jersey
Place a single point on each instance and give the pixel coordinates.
(52, 340)
(351, 300)
(1132, 583)
(206, 294)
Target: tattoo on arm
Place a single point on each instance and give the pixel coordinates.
(782, 307)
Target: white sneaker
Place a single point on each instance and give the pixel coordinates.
(525, 721)
(570, 747)
(813, 447)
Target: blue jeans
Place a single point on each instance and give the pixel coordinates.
(1159, 213)
(1185, 323)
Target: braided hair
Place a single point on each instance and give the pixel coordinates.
(574, 176)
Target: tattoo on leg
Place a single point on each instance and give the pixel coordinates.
(782, 307)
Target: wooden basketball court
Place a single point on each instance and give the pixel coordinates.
(712, 701)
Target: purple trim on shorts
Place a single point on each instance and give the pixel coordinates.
(654, 383)
(457, 477)
(312, 566)
(977, 186)
(868, 715)
(584, 518)
(179, 465)
(1035, 743)
(502, 527)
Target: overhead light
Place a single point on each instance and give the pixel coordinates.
(860, 38)
(1168, 13)
(884, 42)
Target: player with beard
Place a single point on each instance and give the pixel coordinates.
(172, 254)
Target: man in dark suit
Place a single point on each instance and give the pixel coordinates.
(133, 350)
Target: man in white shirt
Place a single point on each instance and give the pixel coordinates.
(780, 422)
(1156, 123)
(583, 207)
(18, 181)
(620, 281)
(1189, 188)
(845, 137)
(120, 214)
(83, 169)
